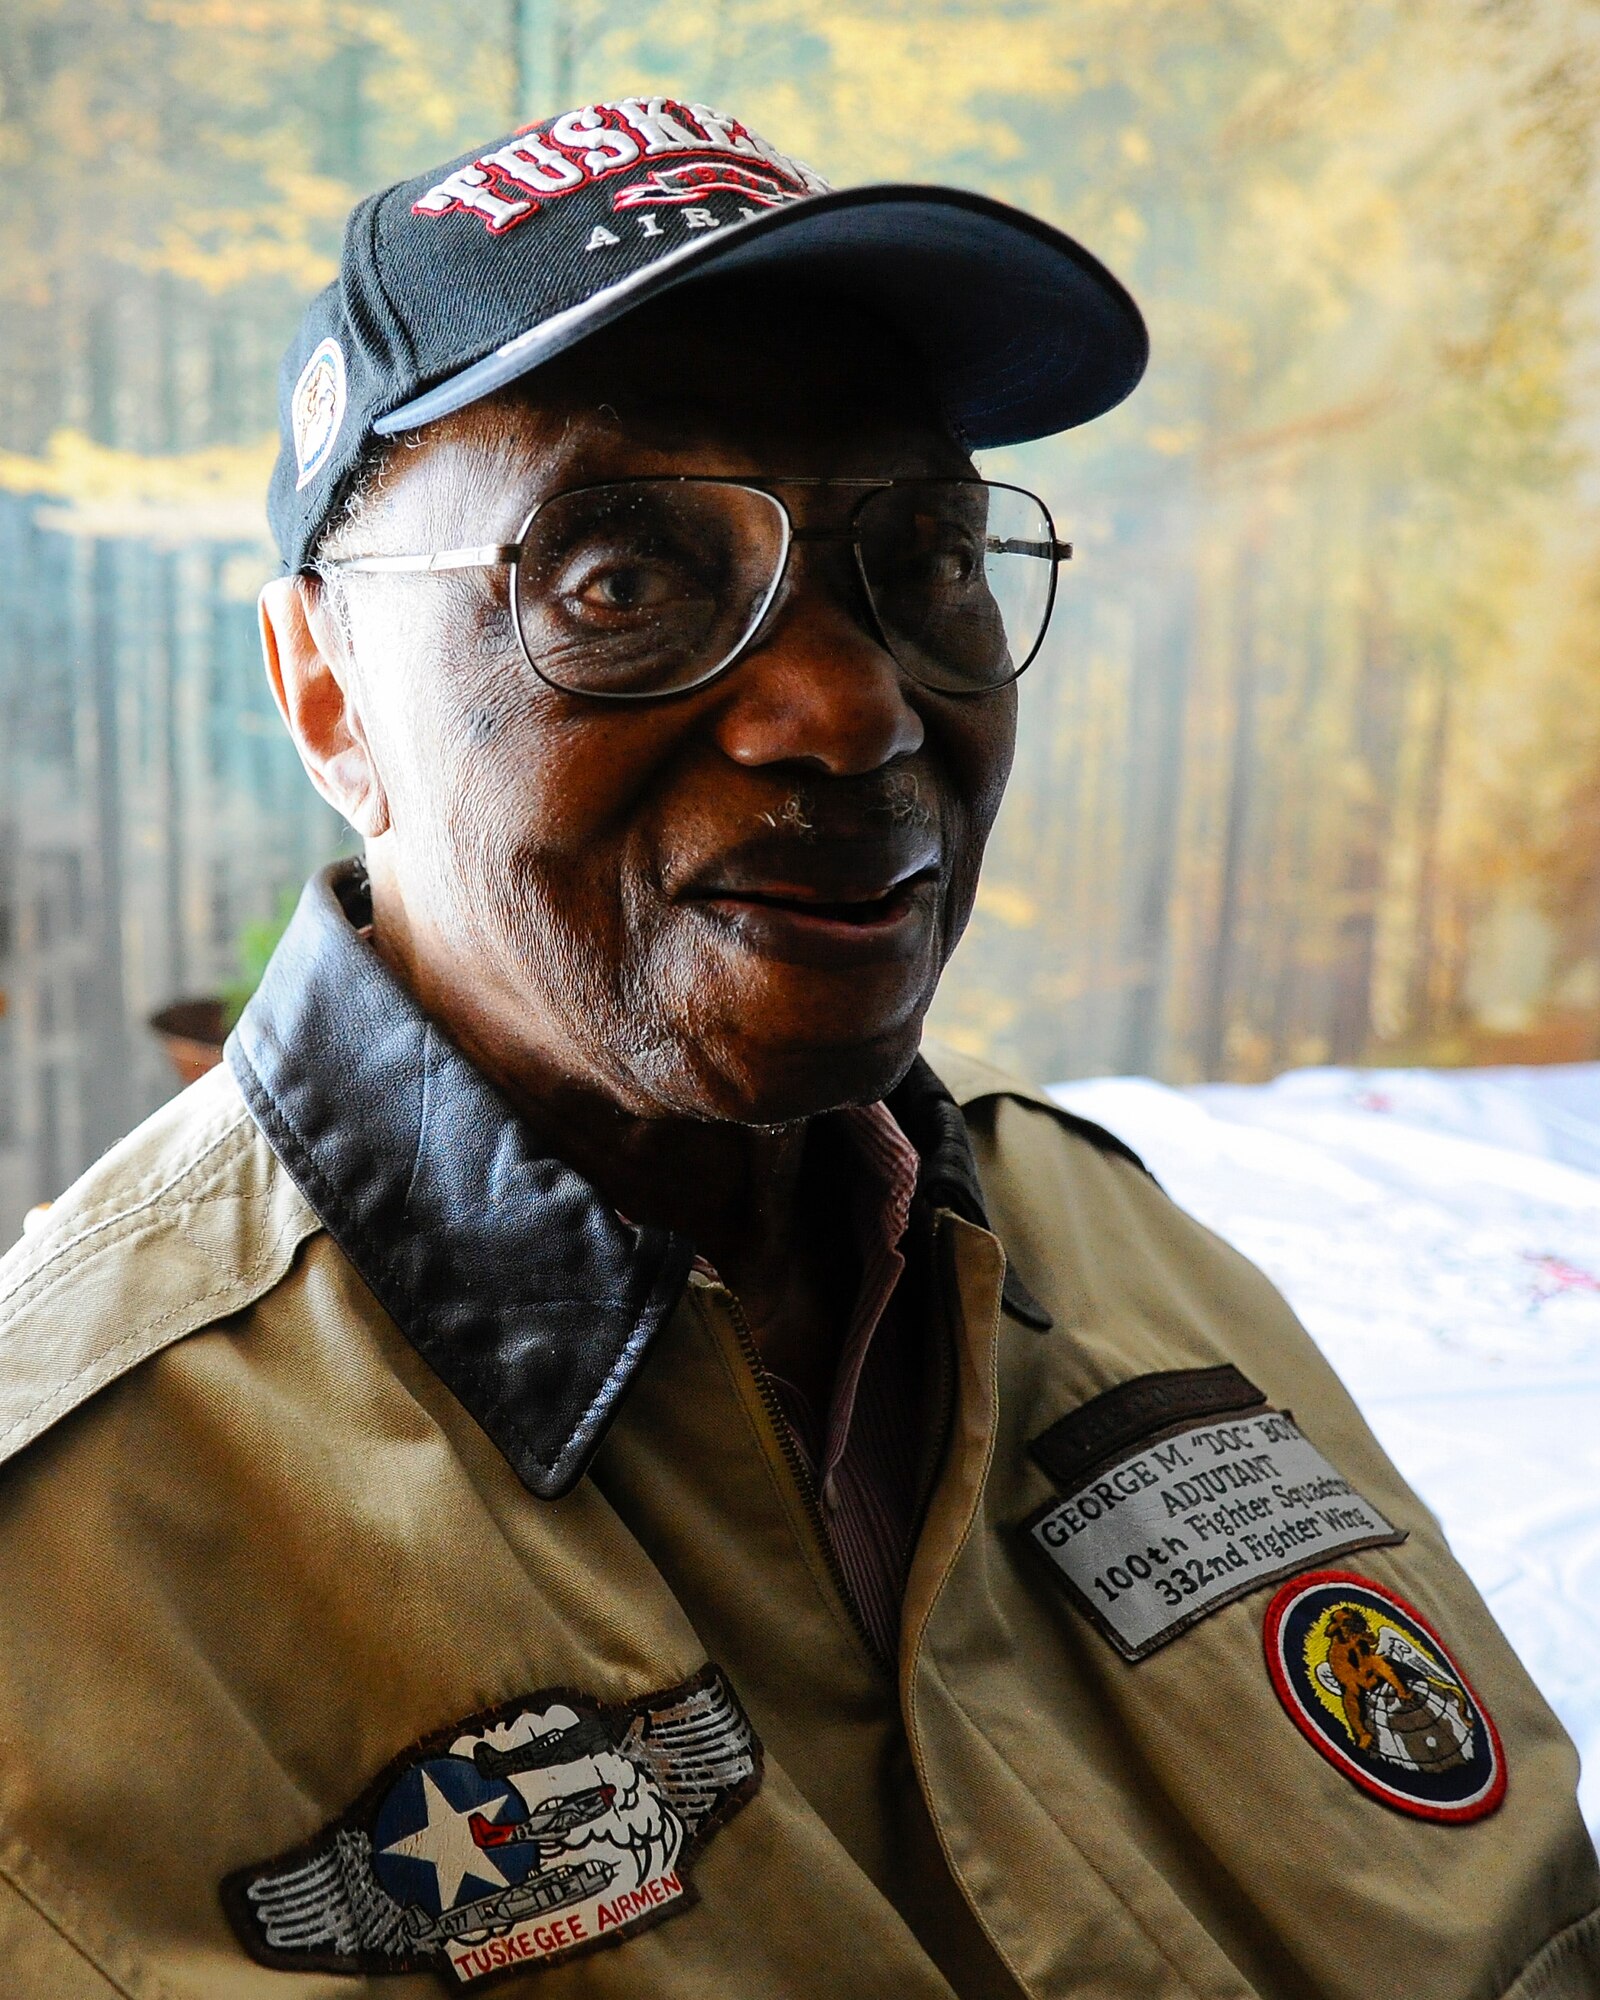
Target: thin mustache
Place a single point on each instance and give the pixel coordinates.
(898, 800)
(847, 840)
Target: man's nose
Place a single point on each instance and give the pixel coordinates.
(819, 687)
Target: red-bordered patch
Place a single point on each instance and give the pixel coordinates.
(1369, 1683)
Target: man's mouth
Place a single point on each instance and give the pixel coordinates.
(813, 905)
(862, 912)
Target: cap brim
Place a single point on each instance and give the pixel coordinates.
(1026, 334)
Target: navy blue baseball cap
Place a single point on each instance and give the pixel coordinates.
(461, 280)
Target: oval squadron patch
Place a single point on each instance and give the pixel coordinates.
(316, 409)
(1369, 1683)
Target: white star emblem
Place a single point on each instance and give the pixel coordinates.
(446, 1842)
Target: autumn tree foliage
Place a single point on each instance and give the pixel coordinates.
(1310, 770)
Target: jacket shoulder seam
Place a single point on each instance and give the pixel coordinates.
(135, 1202)
(1097, 1136)
(198, 1180)
(992, 1083)
(145, 1335)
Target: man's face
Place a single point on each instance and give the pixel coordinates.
(732, 904)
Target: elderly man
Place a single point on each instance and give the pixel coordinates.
(582, 1459)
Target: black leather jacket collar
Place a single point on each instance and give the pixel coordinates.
(520, 1288)
(512, 1277)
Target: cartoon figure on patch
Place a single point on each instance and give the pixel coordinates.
(587, 1806)
(1395, 1700)
(525, 1836)
(1368, 1681)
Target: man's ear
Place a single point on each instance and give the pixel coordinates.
(308, 666)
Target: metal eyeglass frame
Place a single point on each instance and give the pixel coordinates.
(507, 555)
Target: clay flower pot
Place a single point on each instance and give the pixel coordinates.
(192, 1033)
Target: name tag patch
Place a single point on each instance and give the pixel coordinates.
(511, 1841)
(1162, 1533)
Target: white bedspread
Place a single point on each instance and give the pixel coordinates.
(1439, 1233)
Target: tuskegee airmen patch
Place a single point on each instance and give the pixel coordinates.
(515, 1840)
(1370, 1684)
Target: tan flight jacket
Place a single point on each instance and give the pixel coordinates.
(251, 1548)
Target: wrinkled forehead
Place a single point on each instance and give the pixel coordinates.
(715, 377)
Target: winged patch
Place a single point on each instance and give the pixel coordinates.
(516, 1839)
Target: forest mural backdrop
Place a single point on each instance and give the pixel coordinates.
(1310, 770)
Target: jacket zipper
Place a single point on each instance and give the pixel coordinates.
(942, 1412)
(797, 1465)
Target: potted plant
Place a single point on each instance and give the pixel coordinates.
(192, 1031)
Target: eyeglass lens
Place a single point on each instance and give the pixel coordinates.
(645, 588)
(649, 587)
(960, 577)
